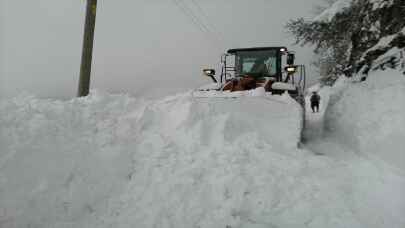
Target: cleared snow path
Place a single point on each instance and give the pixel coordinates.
(380, 185)
(314, 122)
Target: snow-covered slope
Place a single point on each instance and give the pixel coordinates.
(116, 161)
(370, 116)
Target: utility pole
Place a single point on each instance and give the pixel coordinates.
(87, 51)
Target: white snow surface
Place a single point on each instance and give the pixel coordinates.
(337, 7)
(393, 52)
(369, 116)
(117, 161)
(377, 4)
(211, 86)
(383, 42)
(283, 86)
(340, 5)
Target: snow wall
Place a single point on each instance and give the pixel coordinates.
(369, 116)
(60, 161)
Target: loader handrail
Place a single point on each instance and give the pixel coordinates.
(226, 69)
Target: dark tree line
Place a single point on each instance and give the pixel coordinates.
(346, 44)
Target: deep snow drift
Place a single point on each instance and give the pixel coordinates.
(116, 161)
(370, 117)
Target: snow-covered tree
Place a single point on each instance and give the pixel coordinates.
(354, 36)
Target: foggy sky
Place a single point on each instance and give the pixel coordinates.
(142, 47)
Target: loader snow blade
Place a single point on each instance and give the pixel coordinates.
(255, 113)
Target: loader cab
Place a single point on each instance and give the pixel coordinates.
(257, 62)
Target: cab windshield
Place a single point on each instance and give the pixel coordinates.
(257, 63)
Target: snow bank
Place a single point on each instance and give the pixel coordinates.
(370, 116)
(116, 161)
(61, 161)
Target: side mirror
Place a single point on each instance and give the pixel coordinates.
(290, 59)
(210, 73)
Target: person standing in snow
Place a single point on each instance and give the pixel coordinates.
(315, 99)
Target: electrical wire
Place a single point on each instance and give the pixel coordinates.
(217, 33)
(188, 12)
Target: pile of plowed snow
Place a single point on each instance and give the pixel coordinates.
(115, 161)
(370, 116)
(61, 160)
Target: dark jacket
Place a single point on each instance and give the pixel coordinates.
(315, 98)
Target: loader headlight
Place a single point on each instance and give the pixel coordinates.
(209, 72)
(283, 49)
(291, 69)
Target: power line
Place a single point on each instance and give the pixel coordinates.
(188, 12)
(206, 27)
(214, 29)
